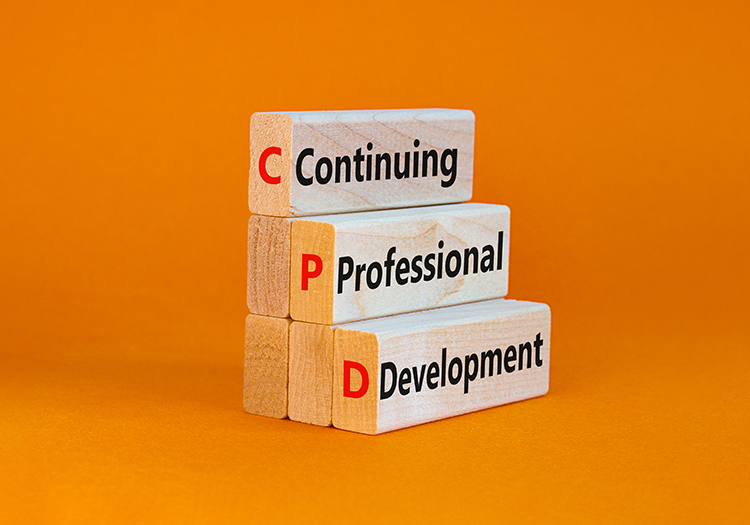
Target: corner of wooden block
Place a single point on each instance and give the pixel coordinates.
(312, 270)
(266, 366)
(270, 164)
(355, 381)
(268, 256)
(310, 373)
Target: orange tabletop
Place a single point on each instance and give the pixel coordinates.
(619, 137)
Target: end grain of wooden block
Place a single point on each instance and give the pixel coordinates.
(318, 162)
(268, 257)
(266, 365)
(310, 373)
(405, 370)
(355, 266)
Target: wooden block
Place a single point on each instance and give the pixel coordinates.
(319, 162)
(268, 256)
(266, 365)
(310, 373)
(371, 264)
(400, 371)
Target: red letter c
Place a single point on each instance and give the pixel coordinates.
(348, 365)
(273, 150)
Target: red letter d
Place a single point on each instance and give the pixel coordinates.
(348, 365)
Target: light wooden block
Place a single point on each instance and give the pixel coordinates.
(319, 162)
(266, 365)
(268, 259)
(311, 373)
(361, 265)
(400, 371)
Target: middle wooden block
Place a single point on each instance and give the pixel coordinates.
(356, 266)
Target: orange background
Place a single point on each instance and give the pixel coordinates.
(618, 135)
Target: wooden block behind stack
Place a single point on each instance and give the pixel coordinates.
(266, 365)
(268, 257)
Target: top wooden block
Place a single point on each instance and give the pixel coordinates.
(321, 162)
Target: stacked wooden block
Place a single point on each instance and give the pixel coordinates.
(375, 296)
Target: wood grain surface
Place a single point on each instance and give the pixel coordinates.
(311, 297)
(270, 130)
(268, 256)
(310, 373)
(266, 365)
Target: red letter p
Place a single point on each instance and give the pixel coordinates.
(308, 273)
(348, 365)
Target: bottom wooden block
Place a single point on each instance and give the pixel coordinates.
(399, 371)
(266, 365)
(393, 372)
